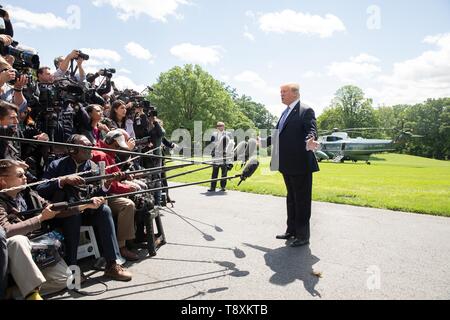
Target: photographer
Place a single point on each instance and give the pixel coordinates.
(93, 128)
(147, 125)
(106, 84)
(31, 153)
(45, 76)
(119, 118)
(11, 86)
(62, 66)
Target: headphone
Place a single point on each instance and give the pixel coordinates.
(72, 150)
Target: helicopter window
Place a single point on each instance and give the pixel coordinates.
(333, 138)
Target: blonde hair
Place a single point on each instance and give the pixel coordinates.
(294, 87)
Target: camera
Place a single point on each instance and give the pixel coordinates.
(82, 55)
(29, 59)
(149, 110)
(18, 75)
(108, 73)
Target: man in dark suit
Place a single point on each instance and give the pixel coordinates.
(222, 144)
(292, 154)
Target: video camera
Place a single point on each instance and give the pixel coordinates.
(52, 97)
(138, 101)
(23, 57)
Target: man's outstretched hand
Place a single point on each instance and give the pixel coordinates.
(312, 145)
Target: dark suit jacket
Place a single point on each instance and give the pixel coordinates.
(51, 191)
(289, 155)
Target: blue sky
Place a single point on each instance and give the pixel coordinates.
(396, 51)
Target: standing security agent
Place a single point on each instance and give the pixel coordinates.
(221, 140)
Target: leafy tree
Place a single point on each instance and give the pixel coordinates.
(256, 112)
(187, 94)
(349, 109)
(356, 111)
(330, 118)
(430, 119)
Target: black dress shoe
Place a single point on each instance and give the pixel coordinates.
(299, 243)
(211, 190)
(285, 236)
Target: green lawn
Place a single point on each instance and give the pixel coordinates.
(393, 181)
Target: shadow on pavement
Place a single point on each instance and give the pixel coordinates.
(214, 194)
(291, 264)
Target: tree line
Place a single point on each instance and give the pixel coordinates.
(430, 119)
(187, 94)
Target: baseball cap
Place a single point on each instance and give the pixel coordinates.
(119, 135)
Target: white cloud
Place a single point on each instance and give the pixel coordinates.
(360, 67)
(298, 22)
(100, 58)
(252, 84)
(415, 80)
(123, 82)
(31, 20)
(197, 54)
(136, 50)
(156, 9)
(123, 70)
(102, 54)
(250, 14)
(252, 78)
(248, 35)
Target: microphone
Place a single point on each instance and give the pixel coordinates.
(249, 169)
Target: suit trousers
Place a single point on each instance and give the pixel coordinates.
(299, 194)
(215, 174)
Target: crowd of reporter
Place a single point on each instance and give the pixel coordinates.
(67, 105)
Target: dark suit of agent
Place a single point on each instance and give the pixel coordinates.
(292, 155)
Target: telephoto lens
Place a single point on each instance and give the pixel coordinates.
(82, 55)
